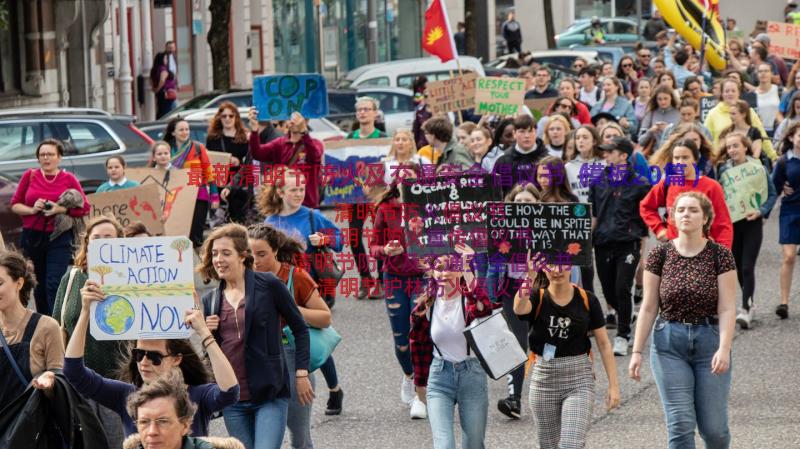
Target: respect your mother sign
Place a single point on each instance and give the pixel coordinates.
(148, 283)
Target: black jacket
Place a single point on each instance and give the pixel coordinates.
(515, 162)
(33, 421)
(267, 300)
(616, 207)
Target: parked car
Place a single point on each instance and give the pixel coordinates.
(614, 52)
(10, 223)
(563, 58)
(211, 100)
(90, 136)
(616, 30)
(403, 72)
(396, 105)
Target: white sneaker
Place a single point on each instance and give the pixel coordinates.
(744, 317)
(418, 409)
(620, 346)
(407, 391)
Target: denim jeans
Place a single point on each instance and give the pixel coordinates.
(299, 417)
(398, 306)
(692, 396)
(50, 261)
(328, 370)
(457, 384)
(258, 426)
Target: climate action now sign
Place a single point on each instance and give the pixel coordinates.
(499, 96)
(278, 96)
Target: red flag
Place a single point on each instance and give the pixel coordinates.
(437, 38)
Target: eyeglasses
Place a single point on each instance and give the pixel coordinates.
(227, 115)
(153, 356)
(161, 423)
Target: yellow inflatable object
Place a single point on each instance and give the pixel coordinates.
(686, 17)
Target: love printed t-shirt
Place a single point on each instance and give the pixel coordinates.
(564, 327)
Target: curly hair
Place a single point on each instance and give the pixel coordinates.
(194, 369)
(215, 127)
(722, 153)
(81, 255)
(663, 155)
(269, 201)
(238, 234)
(18, 267)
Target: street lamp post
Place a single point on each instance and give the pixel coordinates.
(124, 79)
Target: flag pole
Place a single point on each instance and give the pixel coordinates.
(703, 31)
(460, 117)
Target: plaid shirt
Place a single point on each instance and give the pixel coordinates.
(420, 335)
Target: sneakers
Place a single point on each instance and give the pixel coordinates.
(407, 391)
(620, 346)
(363, 292)
(509, 406)
(782, 311)
(418, 409)
(744, 318)
(335, 402)
(611, 320)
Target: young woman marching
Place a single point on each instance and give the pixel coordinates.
(443, 364)
(690, 294)
(562, 379)
(786, 178)
(749, 231)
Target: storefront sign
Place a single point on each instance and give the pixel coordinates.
(278, 96)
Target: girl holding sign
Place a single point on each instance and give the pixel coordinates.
(748, 231)
(559, 316)
(245, 315)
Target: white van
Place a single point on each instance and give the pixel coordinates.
(402, 73)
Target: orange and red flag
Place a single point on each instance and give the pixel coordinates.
(436, 37)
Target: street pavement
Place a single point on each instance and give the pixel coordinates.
(764, 403)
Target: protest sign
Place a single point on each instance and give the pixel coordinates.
(706, 105)
(745, 188)
(218, 157)
(451, 95)
(277, 96)
(499, 96)
(448, 211)
(553, 229)
(784, 39)
(140, 203)
(176, 195)
(148, 285)
(538, 106)
(350, 165)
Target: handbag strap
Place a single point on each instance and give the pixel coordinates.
(11, 359)
(65, 301)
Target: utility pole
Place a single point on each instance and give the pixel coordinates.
(372, 31)
(148, 112)
(124, 79)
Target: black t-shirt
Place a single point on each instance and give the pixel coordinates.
(227, 145)
(564, 327)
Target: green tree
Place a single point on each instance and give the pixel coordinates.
(219, 43)
(180, 246)
(102, 270)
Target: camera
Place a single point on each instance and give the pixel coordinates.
(48, 205)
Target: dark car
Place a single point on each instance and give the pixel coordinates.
(90, 136)
(10, 223)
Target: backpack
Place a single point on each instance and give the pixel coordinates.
(532, 355)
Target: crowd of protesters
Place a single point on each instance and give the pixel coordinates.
(628, 140)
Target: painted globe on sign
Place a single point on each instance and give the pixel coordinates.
(114, 316)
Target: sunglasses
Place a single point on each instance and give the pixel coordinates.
(153, 356)
(627, 66)
(227, 115)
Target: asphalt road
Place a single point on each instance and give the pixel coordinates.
(764, 403)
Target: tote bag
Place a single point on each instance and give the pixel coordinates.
(495, 345)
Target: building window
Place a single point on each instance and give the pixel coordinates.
(9, 47)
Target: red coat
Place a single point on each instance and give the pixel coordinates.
(280, 152)
(721, 227)
(389, 226)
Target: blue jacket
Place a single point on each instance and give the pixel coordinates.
(267, 300)
(298, 226)
(622, 108)
(787, 170)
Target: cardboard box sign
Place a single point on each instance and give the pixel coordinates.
(177, 197)
(452, 95)
(499, 96)
(140, 203)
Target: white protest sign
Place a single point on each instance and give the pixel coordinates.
(148, 284)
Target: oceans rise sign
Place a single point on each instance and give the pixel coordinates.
(451, 211)
(549, 228)
(745, 188)
(278, 96)
(499, 96)
(148, 284)
(784, 39)
(452, 95)
(350, 158)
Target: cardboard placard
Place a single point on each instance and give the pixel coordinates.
(784, 39)
(140, 203)
(148, 285)
(499, 96)
(176, 195)
(745, 188)
(449, 211)
(706, 105)
(539, 106)
(452, 95)
(554, 229)
(350, 164)
(277, 96)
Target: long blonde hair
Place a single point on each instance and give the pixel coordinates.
(269, 201)
(393, 150)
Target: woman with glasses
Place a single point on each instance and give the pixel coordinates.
(768, 99)
(629, 75)
(148, 361)
(50, 201)
(569, 88)
(564, 106)
(226, 133)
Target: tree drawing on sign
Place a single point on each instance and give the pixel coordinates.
(180, 246)
(102, 270)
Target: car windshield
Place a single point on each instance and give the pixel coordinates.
(197, 102)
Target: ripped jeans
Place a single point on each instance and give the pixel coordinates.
(398, 306)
